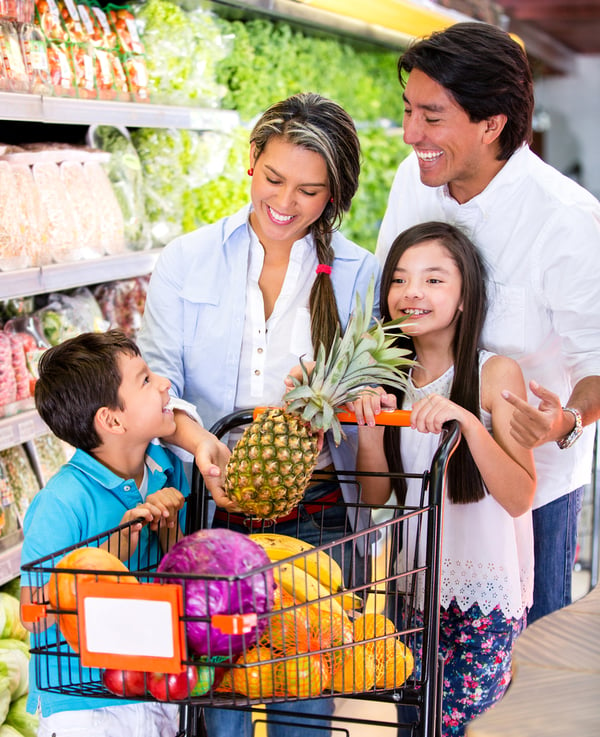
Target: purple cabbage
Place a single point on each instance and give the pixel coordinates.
(221, 562)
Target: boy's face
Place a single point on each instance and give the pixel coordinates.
(144, 395)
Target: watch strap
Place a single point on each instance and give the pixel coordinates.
(575, 433)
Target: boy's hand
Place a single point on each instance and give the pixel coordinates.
(164, 504)
(161, 507)
(211, 458)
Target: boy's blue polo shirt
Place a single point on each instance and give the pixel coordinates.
(82, 500)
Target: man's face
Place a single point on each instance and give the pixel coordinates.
(450, 148)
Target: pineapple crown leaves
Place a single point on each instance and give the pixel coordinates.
(362, 356)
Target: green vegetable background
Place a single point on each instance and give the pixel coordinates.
(193, 177)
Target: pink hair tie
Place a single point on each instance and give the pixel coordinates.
(323, 269)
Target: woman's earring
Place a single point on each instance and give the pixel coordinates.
(331, 200)
(250, 171)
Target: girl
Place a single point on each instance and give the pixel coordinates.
(232, 306)
(434, 278)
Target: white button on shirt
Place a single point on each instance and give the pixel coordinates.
(270, 348)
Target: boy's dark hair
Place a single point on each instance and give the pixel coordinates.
(485, 71)
(78, 377)
(464, 480)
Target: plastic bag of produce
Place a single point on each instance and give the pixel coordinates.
(31, 215)
(112, 225)
(68, 315)
(122, 303)
(35, 57)
(48, 455)
(8, 382)
(20, 476)
(125, 173)
(16, 79)
(13, 251)
(63, 239)
(84, 210)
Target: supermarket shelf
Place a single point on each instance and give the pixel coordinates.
(10, 561)
(391, 23)
(20, 428)
(55, 277)
(63, 110)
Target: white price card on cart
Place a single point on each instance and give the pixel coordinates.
(131, 626)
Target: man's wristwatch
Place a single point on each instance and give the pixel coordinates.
(575, 433)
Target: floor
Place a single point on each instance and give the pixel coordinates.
(360, 710)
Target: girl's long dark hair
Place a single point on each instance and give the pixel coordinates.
(464, 480)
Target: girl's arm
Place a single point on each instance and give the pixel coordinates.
(506, 467)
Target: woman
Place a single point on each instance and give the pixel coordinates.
(232, 306)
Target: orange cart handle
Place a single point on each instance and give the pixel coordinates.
(33, 612)
(397, 417)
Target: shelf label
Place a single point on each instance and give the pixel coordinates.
(8, 436)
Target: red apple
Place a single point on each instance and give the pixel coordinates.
(129, 683)
(172, 686)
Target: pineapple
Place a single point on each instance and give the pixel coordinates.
(272, 463)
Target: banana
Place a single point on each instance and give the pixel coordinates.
(306, 588)
(318, 564)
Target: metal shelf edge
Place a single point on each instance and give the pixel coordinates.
(56, 277)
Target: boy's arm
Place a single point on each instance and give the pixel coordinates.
(210, 455)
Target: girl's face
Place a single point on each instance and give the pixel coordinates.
(426, 288)
(290, 190)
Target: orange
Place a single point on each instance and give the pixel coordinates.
(357, 673)
(393, 660)
(328, 629)
(62, 587)
(287, 632)
(256, 679)
(305, 676)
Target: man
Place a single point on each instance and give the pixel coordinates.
(468, 94)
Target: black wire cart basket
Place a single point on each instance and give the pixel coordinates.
(346, 615)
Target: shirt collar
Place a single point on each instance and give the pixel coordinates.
(157, 460)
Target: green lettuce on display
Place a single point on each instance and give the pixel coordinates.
(174, 77)
(190, 177)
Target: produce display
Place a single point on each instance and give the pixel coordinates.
(14, 671)
(19, 474)
(271, 464)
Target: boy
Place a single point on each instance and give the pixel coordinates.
(96, 393)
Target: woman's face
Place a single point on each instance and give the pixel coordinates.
(290, 190)
(426, 289)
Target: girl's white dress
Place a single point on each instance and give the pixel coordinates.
(487, 555)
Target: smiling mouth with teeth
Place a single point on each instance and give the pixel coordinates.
(428, 155)
(412, 311)
(278, 217)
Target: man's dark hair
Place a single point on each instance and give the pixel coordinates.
(485, 71)
(78, 377)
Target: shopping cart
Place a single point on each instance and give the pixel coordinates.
(375, 637)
